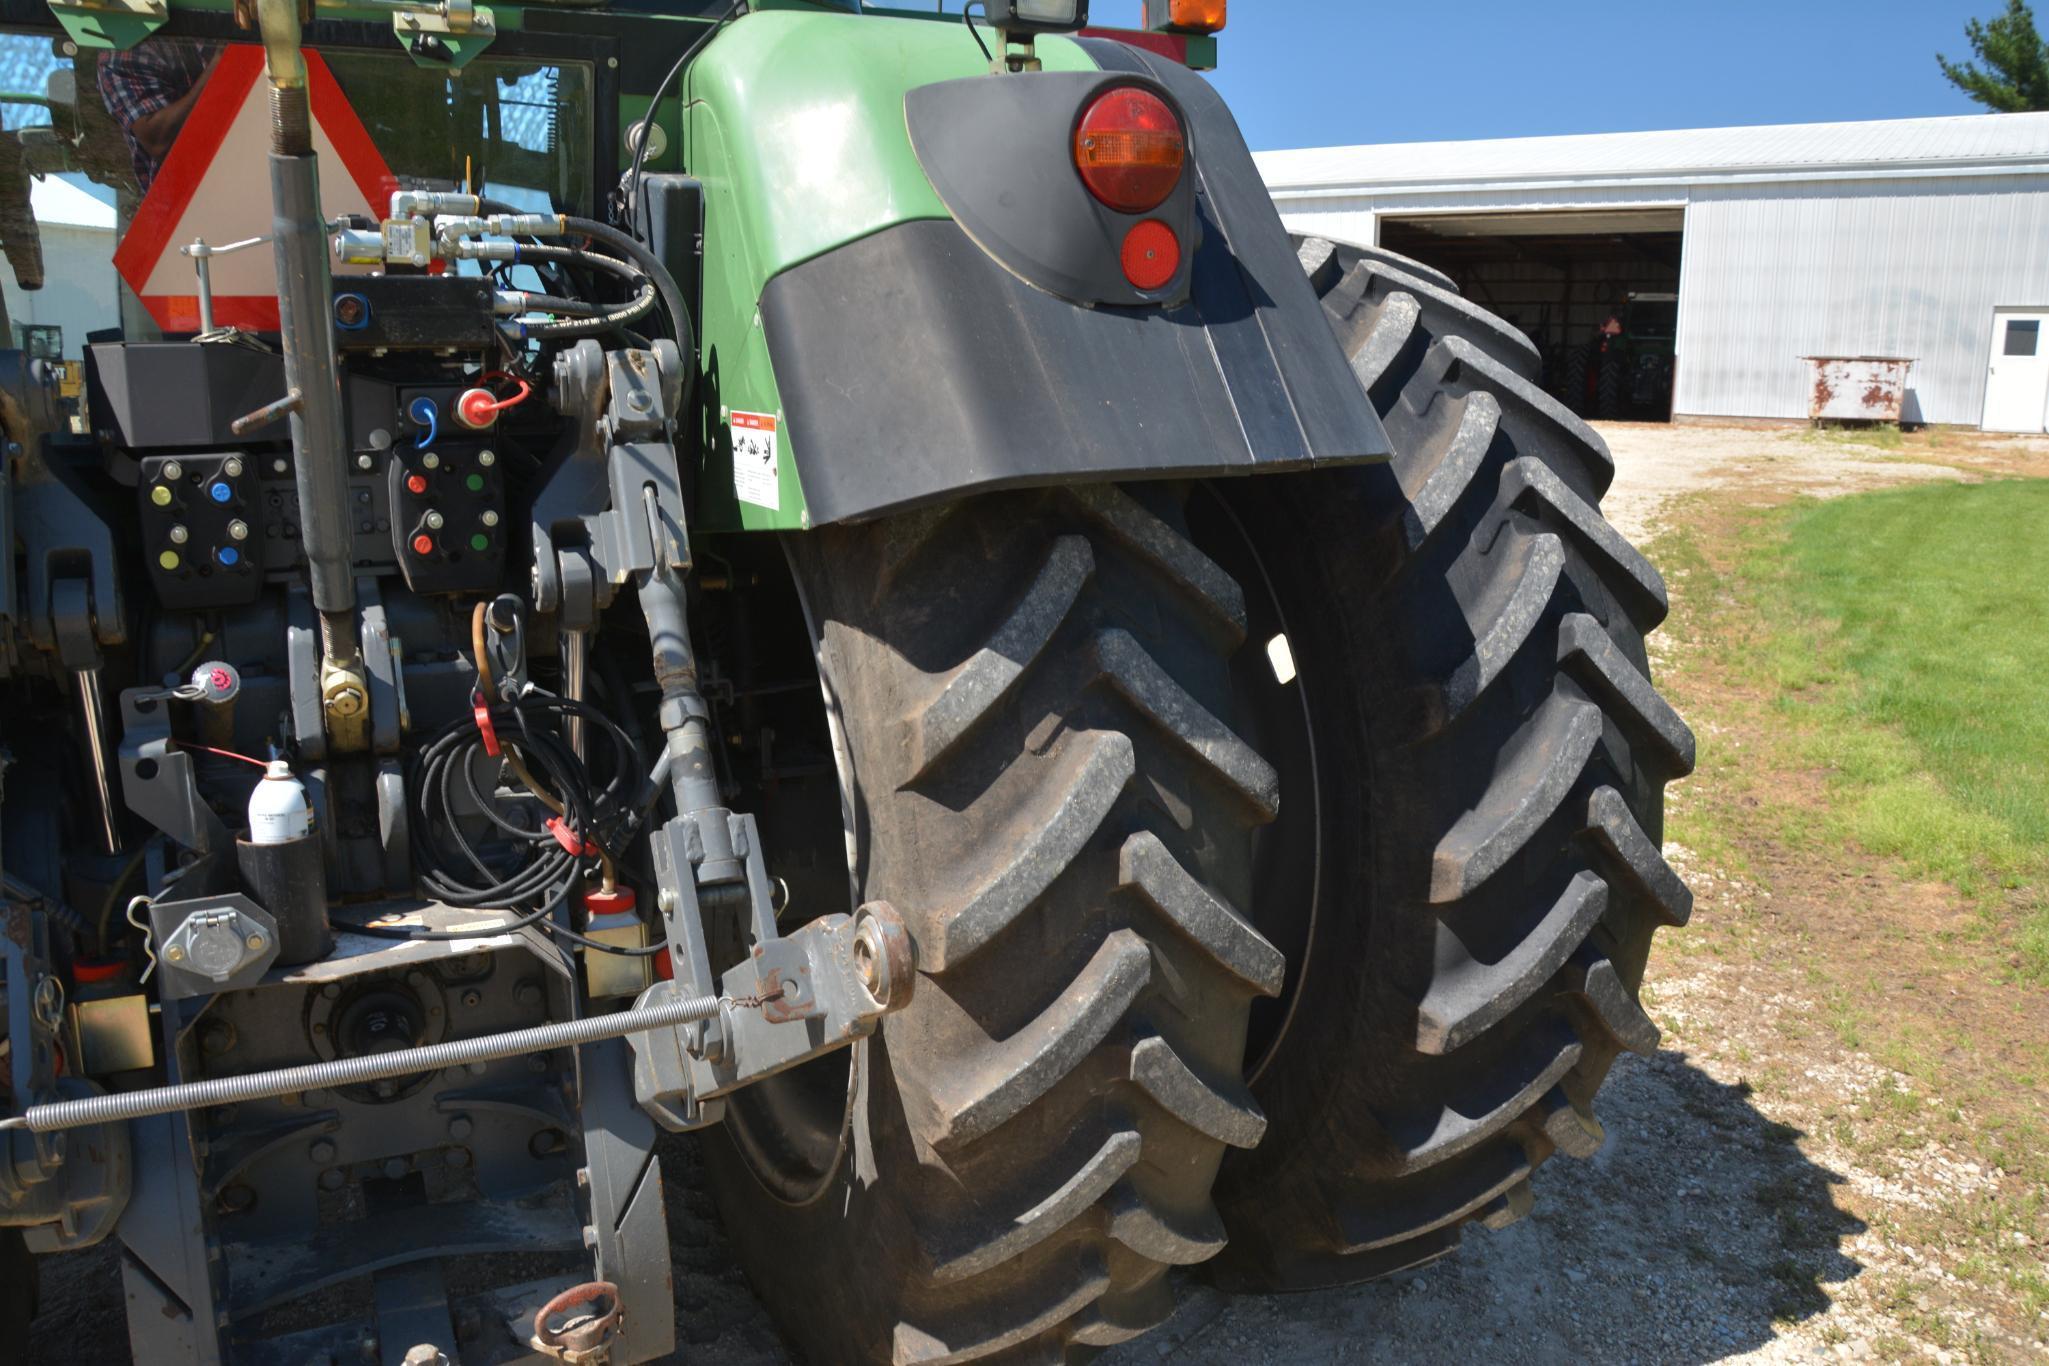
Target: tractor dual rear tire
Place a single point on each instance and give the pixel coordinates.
(1034, 707)
(1493, 759)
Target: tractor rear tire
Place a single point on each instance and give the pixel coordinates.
(1469, 634)
(1576, 392)
(1033, 703)
(1611, 388)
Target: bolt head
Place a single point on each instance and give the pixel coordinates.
(232, 467)
(322, 1151)
(489, 518)
(333, 1179)
(364, 462)
(487, 458)
(431, 460)
(174, 954)
(179, 535)
(173, 471)
(434, 519)
(256, 942)
(238, 531)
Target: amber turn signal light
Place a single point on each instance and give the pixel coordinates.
(1184, 16)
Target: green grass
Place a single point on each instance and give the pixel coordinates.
(1939, 599)
(1903, 638)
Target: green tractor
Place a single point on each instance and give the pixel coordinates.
(825, 578)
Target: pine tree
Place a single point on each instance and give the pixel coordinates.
(2015, 77)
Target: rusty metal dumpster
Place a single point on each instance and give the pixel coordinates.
(1857, 388)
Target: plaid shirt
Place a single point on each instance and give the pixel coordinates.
(146, 79)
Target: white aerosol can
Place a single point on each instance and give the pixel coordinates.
(278, 810)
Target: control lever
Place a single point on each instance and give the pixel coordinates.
(202, 254)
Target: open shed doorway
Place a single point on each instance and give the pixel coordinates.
(1596, 290)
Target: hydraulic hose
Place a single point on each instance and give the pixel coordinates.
(650, 265)
(638, 307)
(517, 301)
(285, 1081)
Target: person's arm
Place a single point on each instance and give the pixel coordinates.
(156, 131)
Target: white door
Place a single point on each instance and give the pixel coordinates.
(2017, 387)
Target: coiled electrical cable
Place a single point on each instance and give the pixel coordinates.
(522, 864)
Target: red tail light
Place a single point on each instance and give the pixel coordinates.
(1130, 149)
(1152, 255)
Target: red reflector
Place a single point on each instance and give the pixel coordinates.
(1152, 255)
(1130, 149)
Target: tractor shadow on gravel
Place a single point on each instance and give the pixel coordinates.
(1699, 1231)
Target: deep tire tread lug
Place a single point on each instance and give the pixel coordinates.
(1466, 998)
(1145, 866)
(977, 686)
(1227, 1114)
(1614, 832)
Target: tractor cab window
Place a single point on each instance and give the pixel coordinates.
(110, 162)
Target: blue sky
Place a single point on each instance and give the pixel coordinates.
(1314, 72)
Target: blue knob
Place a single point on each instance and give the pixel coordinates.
(220, 492)
(228, 555)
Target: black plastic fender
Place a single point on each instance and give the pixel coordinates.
(915, 367)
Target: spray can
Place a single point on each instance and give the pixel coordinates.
(278, 810)
(284, 866)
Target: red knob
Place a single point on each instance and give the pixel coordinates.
(416, 483)
(423, 544)
(477, 408)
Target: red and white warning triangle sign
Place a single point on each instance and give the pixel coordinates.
(215, 184)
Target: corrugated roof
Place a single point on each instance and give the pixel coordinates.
(1963, 143)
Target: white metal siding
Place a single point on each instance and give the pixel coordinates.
(1909, 267)
(1802, 151)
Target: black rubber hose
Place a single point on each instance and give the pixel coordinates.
(625, 245)
(638, 307)
(552, 303)
(665, 284)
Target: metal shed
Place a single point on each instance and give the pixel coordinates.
(1909, 237)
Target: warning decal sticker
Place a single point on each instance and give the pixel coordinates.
(756, 473)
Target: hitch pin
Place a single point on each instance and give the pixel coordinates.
(267, 414)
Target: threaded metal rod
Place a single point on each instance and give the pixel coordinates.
(199, 1095)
